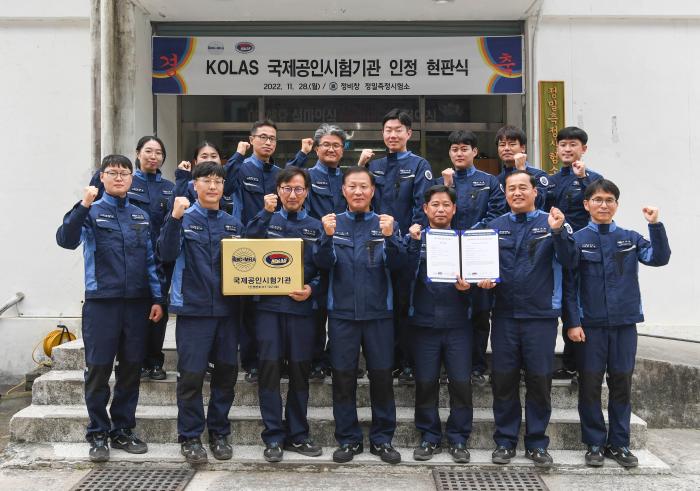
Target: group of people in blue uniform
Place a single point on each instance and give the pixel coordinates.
(152, 247)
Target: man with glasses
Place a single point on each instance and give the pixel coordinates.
(207, 322)
(122, 294)
(285, 325)
(402, 178)
(604, 308)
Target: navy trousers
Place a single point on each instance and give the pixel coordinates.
(431, 348)
(113, 328)
(481, 326)
(283, 337)
(197, 338)
(248, 345)
(377, 340)
(611, 350)
(528, 344)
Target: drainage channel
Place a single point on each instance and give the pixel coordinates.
(497, 480)
(116, 479)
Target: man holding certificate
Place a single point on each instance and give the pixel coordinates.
(533, 248)
(441, 331)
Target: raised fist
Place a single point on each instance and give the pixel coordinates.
(242, 147)
(448, 177)
(307, 144)
(328, 222)
(386, 223)
(520, 160)
(579, 168)
(651, 214)
(414, 231)
(555, 218)
(270, 202)
(179, 206)
(185, 165)
(89, 197)
(366, 155)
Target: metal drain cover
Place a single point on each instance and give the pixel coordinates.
(117, 479)
(476, 480)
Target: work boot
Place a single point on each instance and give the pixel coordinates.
(426, 450)
(595, 456)
(220, 448)
(406, 376)
(193, 451)
(125, 440)
(252, 376)
(99, 451)
(273, 452)
(622, 456)
(502, 455)
(385, 452)
(540, 457)
(346, 452)
(459, 453)
(307, 447)
(157, 373)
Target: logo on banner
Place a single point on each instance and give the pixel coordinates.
(243, 259)
(277, 259)
(245, 47)
(215, 48)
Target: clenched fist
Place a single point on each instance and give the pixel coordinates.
(270, 202)
(307, 144)
(414, 231)
(89, 196)
(185, 165)
(179, 206)
(365, 157)
(328, 222)
(651, 214)
(386, 223)
(576, 334)
(242, 147)
(555, 218)
(579, 168)
(519, 161)
(448, 177)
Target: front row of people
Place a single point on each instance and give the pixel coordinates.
(589, 279)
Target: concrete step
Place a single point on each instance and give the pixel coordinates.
(157, 424)
(247, 457)
(65, 387)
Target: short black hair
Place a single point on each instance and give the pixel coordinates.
(531, 178)
(440, 188)
(462, 137)
(400, 114)
(602, 185)
(145, 139)
(116, 161)
(262, 122)
(208, 168)
(288, 173)
(510, 132)
(202, 144)
(572, 133)
(358, 170)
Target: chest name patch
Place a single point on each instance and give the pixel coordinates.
(624, 243)
(375, 233)
(342, 234)
(230, 228)
(275, 227)
(106, 215)
(478, 184)
(309, 232)
(165, 192)
(589, 246)
(252, 179)
(378, 172)
(504, 232)
(539, 230)
(321, 183)
(197, 228)
(404, 171)
(137, 216)
(137, 190)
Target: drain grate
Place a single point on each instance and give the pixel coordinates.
(447, 480)
(119, 479)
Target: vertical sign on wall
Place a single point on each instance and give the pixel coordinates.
(551, 112)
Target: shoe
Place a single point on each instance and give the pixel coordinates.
(193, 451)
(563, 374)
(157, 373)
(99, 451)
(459, 453)
(220, 448)
(125, 440)
(386, 452)
(273, 452)
(426, 451)
(252, 376)
(622, 456)
(502, 455)
(406, 376)
(307, 447)
(346, 452)
(360, 373)
(540, 457)
(317, 374)
(479, 379)
(595, 456)
(145, 373)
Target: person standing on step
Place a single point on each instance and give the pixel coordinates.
(360, 250)
(441, 332)
(122, 295)
(479, 198)
(565, 191)
(151, 192)
(252, 178)
(401, 181)
(534, 246)
(285, 326)
(207, 322)
(605, 307)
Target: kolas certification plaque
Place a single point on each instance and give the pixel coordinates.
(262, 266)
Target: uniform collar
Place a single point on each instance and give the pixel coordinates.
(265, 166)
(206, 212)
(398, 155)
(565, 170)
(157, 177)
(294, 216)
(114, 201)
(360, 216)
(523, 217)
(602, 228)
(332, 171)
(468, 172)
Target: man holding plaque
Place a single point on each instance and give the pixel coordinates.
(207, 322)
(533, 248)
(441, 332)
(285, 325)
(360, 249)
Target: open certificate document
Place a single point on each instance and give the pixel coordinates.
(479, 255)
(442, 255)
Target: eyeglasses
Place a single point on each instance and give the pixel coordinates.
(114, 174)
(328, 146)
(288, 190)
(607, 201)
(266, 138)
(209, 181)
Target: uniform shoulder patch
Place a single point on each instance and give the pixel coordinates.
(429, 175)
(568, 228)
(502, 189)
(544, 181)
